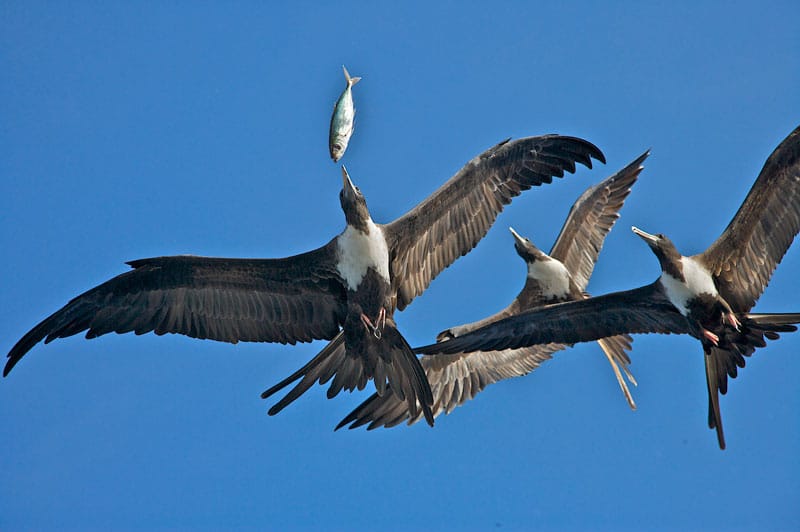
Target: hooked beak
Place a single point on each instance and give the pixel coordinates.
(348, 187)
(647, 237)
(519, 240)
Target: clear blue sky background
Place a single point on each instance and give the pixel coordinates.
(132, 131)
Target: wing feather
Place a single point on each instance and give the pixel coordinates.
(296, 299)
(641, 310)
(454, 380)
(590, 219)
(452, 220)
(755, 241)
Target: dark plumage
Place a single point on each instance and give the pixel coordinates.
(427, 239)
(561, 276)
(708, 295)
(345, 291)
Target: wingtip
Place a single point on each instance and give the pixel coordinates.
(13, 358)
(596, 153)
(638, 162)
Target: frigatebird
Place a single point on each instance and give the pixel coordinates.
(560, 276)
(708, 295)
(346, 290)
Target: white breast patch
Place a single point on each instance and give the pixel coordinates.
(552, 276)
(359, 252)
(698, 281)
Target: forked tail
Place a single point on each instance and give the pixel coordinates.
(320, 368)
(395, 370)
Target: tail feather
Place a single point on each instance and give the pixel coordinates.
(712, 381)
(615, 348)
(408, 375)
(396, 370)
(381, 374)
(317, 369)
(724, 361)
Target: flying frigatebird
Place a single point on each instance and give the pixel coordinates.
(560, 276)
(708, 295)
(347, 290)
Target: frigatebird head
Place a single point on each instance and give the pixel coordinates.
(353, 203)
(526, 249)
(662, 246)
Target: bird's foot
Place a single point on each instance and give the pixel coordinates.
(711, 337)
(380, 322)
(733, 321)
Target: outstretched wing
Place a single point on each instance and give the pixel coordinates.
(641, 310)
(755, 241)
(590, 219)
(454, 379)
(296, 299)
(452, 220)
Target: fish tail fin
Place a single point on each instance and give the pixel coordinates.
(350, 80)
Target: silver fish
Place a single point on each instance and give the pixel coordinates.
(344, 113)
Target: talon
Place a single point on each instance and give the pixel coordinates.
(733, 321)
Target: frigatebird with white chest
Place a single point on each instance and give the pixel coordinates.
(708, 295)
(346, 290)
(560, 276)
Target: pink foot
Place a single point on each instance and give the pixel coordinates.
(730, 317)
(367, 322)
(376, 328)
(711, 337)
(381, 321)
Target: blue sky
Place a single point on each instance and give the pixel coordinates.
(137, 131)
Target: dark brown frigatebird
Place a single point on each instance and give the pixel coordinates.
(560, 276)
(346, 291)
(708, 295)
